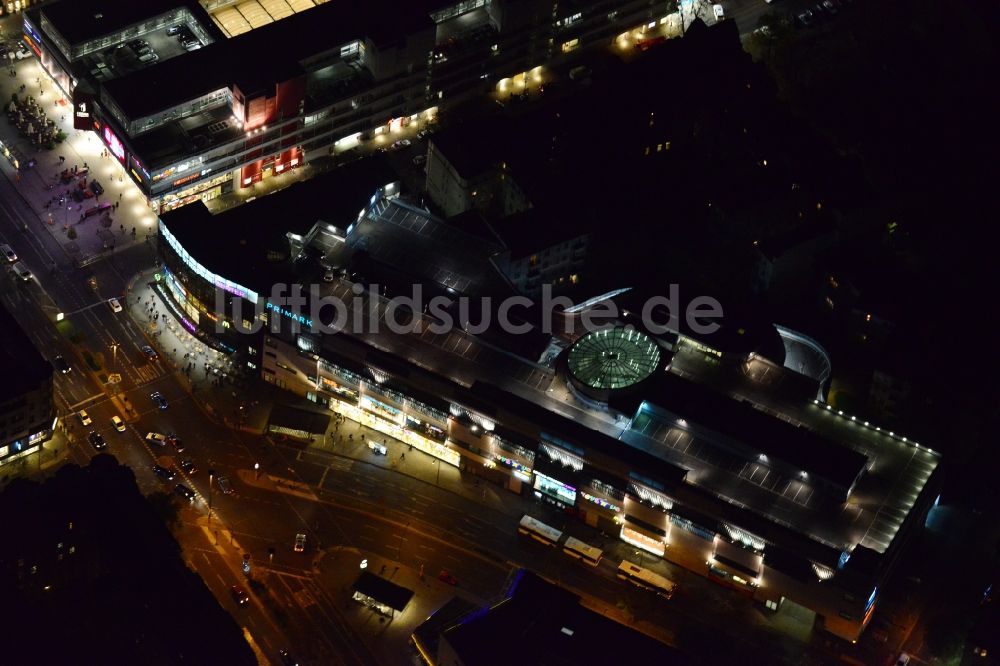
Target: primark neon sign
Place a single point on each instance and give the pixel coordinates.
(288, 314)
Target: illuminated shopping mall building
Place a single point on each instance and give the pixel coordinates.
(258, 89)
(715, 451)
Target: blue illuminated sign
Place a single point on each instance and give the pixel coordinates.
(871, 599)
(288, 314)
(30, 31)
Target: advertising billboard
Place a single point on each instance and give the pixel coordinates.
(114, 144)
(83, 116)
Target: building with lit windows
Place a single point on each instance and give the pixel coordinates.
(196, 99)
(12, 7)
(714, 450)
(27, 410)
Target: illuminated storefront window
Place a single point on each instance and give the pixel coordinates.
(383, 410)
(343, 392)
(406, 436)
(640, 540)
(555, 488)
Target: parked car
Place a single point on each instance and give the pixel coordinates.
(84, 417)
(175, 441)
(287, 659)
(8, 253)
(184, 491)
(422, 134)
(719, 12)
(164, 473)
(156, 438)
(174, 29)
(188, 466)
(116, 307)
(239, 595)
(158, 400)
(61, 365)
(419, 159)
(446, 577)
(300, 542)
(97, 441)
(117, 422)
(806, 19)
(21, 54)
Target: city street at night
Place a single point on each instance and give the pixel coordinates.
(498, 332)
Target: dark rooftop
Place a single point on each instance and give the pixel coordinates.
(756, 430)
(25, 369)
(294, 418)
(170, 82)
(382, 590)
(82, 20)
(249, 245)
(301, 35)
(428, 633)
(542, 624)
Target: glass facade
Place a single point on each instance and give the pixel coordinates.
(613, 358)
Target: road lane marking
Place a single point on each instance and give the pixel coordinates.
(83, 402)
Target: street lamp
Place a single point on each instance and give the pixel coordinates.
(114, 353)
(256, 470)
(211, 477)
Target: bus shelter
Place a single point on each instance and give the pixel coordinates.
(381, 595)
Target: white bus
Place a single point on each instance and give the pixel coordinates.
(539, 531)
(646, 579)
(582, 551)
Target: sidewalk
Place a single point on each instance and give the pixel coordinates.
(200, 365)
(41, 186)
